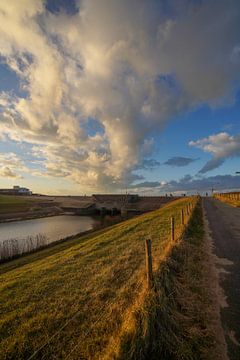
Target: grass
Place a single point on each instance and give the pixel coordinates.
(174, 322)
(232, 199)
(13, 204)
(96, 280)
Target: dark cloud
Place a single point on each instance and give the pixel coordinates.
(179, 161)
(192, 184)
(148, 164)
(146, 184)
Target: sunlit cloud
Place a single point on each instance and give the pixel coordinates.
(221, 146)
(129, 65)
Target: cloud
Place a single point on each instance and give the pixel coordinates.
(129, 65)
(219, 182)
(191, 184)
(146, 185)
(7, 172)
(179, 161)
(221, 146)
(148, 164)
(10, 166)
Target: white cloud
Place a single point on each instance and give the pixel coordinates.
(10, 165)
(221, 146)
(127, 64)
(7, 172)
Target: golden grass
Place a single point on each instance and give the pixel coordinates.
(232, 199)
(94, 280)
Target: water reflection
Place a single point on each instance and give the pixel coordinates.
(19, 237)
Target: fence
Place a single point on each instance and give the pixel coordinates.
(235, 196)
(185, 215)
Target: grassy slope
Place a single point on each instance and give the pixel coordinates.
(175, 321)
(98, 278)
(13, 204)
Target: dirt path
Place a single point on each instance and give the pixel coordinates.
(224, 224)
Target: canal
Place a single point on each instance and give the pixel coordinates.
(23, 236)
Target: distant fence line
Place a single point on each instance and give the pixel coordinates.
(185, 215)
(227, 196)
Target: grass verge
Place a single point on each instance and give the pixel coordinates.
(174, 320)
(232, 199)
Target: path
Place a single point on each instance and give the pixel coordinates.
(224, 224)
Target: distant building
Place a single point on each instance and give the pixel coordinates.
(16, 190)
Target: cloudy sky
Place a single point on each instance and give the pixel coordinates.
(104, 95)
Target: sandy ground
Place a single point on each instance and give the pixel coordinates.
(223, 238)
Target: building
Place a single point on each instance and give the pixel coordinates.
(16, 190)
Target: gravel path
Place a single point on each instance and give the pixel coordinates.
(224, 224)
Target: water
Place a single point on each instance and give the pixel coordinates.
(20, 237)
(53, 228)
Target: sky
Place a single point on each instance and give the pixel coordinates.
(108, 96)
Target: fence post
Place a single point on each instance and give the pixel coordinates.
(172, 228)
(148, 248)
(182, 217)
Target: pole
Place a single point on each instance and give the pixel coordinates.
(148, 249)
(172, 228)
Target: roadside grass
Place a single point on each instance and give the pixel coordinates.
(174, 322)
(233, 200)
(75, 297)
(13, 204)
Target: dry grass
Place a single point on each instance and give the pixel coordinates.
(232, 199)
(96, 280)
(175, 321)
(12, 248)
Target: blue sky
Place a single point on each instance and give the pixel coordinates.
(100, 98)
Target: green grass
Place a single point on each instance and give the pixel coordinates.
(11, 204)
(97, 280)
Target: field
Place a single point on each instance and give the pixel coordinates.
(13, 204)
(232, 199)
(72, 301)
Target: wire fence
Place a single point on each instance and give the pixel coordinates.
(176, 231)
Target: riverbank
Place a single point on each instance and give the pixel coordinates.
(84, 286)
(14, 243)
(30, 216)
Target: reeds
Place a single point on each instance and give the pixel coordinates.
(12, 248)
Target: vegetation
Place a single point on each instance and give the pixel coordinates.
(12, 248)
(232, 199)
(87, 298)
(13, 204)
(175, 321)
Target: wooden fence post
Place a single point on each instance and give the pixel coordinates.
(148, 248)
(172, 228)
(182, 217)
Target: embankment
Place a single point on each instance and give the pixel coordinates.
(88, 299)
